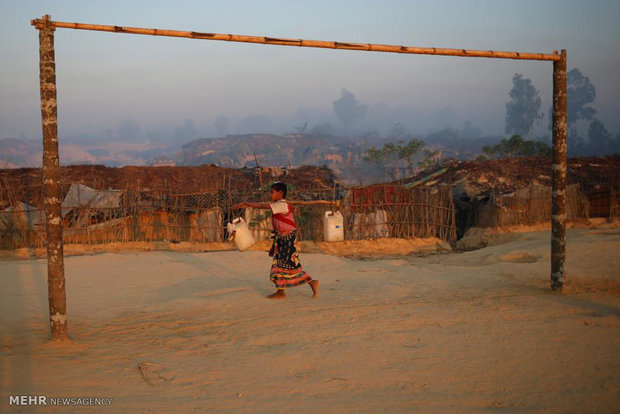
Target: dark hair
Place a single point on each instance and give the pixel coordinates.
(278, 186)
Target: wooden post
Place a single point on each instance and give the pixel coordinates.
(558, 177)
(51, 183)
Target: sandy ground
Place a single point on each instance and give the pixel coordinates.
(353, 248)
(475, 332)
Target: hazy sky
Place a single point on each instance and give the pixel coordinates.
(104, 78)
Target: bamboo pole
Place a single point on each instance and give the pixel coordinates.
(51, 183)
(368, 47)
(558, 177)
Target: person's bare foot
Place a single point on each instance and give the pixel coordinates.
(314, 284)
(278, 295)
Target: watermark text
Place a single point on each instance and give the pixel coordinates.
(44, 400)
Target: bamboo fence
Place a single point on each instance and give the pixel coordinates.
(161, 215)
(530, 205)
(371, 212)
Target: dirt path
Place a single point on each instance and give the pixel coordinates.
(471, 332)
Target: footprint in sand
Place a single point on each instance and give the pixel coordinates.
(521, 257)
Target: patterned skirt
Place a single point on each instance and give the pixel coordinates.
(286, 269)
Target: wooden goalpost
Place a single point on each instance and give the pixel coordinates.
(51, 164)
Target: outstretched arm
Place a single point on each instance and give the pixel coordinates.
(252, 205)
(295, 203)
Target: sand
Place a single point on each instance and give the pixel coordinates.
(470, 332)
(352, 248)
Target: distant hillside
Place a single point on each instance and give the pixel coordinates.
(343, 155)
(15, 152)
(20, 153)
(238, 151)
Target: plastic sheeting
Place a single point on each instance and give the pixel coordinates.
(81, 196)
(21, 215)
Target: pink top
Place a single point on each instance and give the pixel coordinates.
(282, 218)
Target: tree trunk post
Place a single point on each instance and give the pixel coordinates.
(51, 183)
(558, 177)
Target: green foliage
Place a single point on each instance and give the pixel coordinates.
(516, 146)
(394, 155)
(409, 151)
(431, 159)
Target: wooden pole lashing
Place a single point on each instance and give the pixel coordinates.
(558, 175)
(51, 183)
